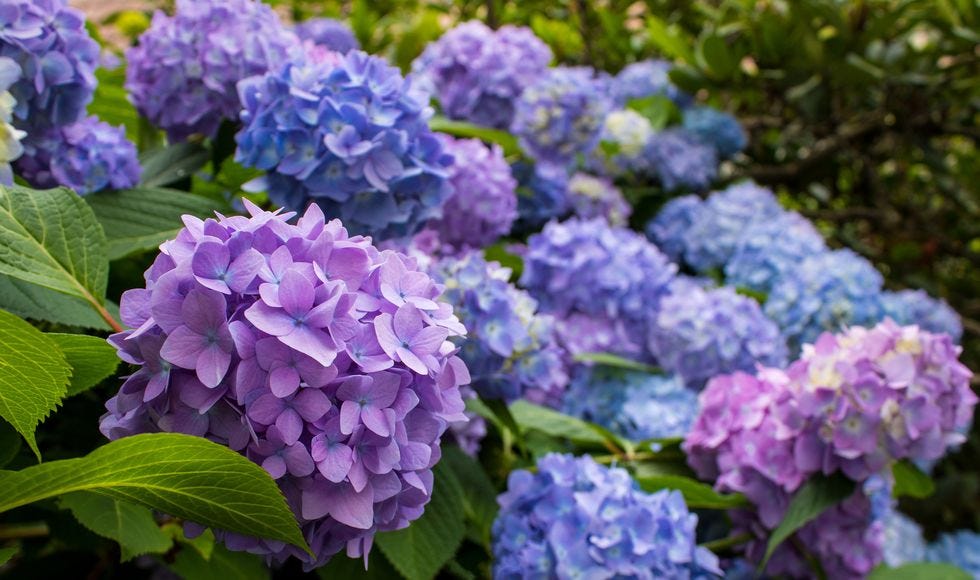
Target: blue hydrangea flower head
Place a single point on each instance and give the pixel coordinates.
(477, 73)
(328, 33)
(719, 129)
(904, 542)
(668, 228)
(182, 74)
(646, 79)
(561, 115)
(960, 548)
(680, 160)
(87, 156)
(574, 518)
(349, 133)
(768, 248)
(632, 404)
(48, 41)
(917, 307)
(542, 194)
(591, 197)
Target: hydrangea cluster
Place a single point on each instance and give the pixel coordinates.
(903, 541)
(770, 249)
(668, 227)
(542, 194)
(483, 205)
(623, 144)
(917, 307)
(561, 115)
(182, 74)
(682, 161)
(349, 133)
(597, 197)
(312, 353)
(510, 348)
(699, 334)
(328, 33)
(632, 404)
(87, 156)
(477, 73)
(719, 129)
(574, 518)
(646, 79)
(961, 548)
(10, 136)
(602, 283)
(57, 57)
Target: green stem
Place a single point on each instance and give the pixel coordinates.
(19, 531)
(726, 543)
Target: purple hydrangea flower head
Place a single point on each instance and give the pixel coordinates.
(668, 228)
(770, 249)
(825, 293)
(721, 222)
(483, 205)
(87, 156)
(477, 73)
(681, 161)
(646, 78)
(719, 129)
(182, 74)
(311, 352)
(928, 313)
(632, 404)
(48, 41)
(602, 283)
(623, 143)
(542, 194)
(960, 548)
(574, 518)
(328, 33)
(597, 197)
(561, 115)
(699, 334)
(10, 137)
(349, 133)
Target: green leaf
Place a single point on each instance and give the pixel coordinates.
(658, 109)
(91, 359)
(223, 563)
(132, 526)
(920, 571)
(550, 422)
(506, 141)
(188, 477)
(911, 481)
(38, 303)
(815, 497)
(167, 165)
(419, 551)
(9, 444)
(341, 567)
(136, 220)
(717, 57)
(696, 494)
(33, 376)
(6, 554)
(111, 104)
(611, 360)
(479, 493)
(670, 39)
(203, 543)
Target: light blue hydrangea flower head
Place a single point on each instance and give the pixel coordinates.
(542, 194)
(699, 334)
(719, 129)
(917, 307)
(10, 136)
(632, 404)
(904, 542)
(960, 548)
(770, 247)
(825, 293)
(681, 161)
(669, 227)
(574, 518)
(182, 74)
(646, 79)
(561, 115)
(349, 133)
(591, 197)
(328, 33)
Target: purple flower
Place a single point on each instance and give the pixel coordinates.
(669, 227)
(289, 414)
(681, 161)
(643, 79)
(405, 338)
(592, 197)
(328, 33)
(203, 342)
(365, 400)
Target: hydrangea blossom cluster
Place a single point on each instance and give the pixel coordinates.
(477, 73)
(632, 404)
(917, 307)
(961, 548)
(597, 197)
(645, 79)
(602, 283)
(682, 161)
(312, 353)
(10, 136)
(87, 156)
(349, 133)
(719, 129)
(771, 249)
(623, 144)
(699, 334)
(510, 348)
(561, 115)
(903, 541)
(328, 33)
(668, 227)
(483, 205)
(182, 74)
(574, 518)
(542, 194)
(57, 57)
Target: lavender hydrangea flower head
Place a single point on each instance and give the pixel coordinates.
(574, 518)
(597, 197)
(182, 74)
(48, 41)
(87, 156)
(960, 548)
(928, 313)
(632, 404)
(483, 205)
(770, 249)
(593, 276)
(719, 129)
(668, 228)
(349, 133)
(561, 115)
(699, 334)
(477, 73)
(681, 161)
(646, 79)
(542, 194)
(623, 143)
(10, 136)
(328, 33)
(312, 353)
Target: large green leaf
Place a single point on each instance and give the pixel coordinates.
(188, 477)
(9, 443)
(419, 551)
(91, 359)
(696, 494)
(911, 481)
(551, 422)
(920, 571)
(33, 375)
(506, 141)
(137, 220)
(170, 164)
(669, 39)
(223, 564)
(815, 497)
(39, 303)
(6, 554)
(479, 494)
(132, 526)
